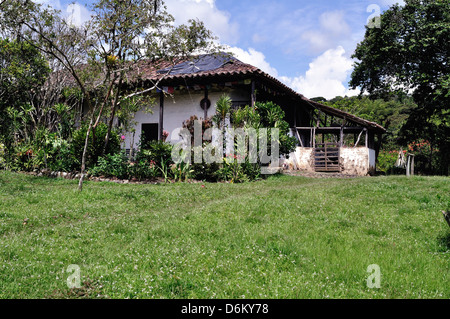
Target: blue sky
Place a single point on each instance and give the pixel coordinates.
(305, 44)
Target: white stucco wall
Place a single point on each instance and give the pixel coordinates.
(354, 161)
(301, 159)
(178, 108)
(372, 161)
(357, 160)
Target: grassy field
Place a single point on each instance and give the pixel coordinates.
(285, 237)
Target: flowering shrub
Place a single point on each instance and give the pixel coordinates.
(143, 169)
(421, 147)
(155, 151)
(165, 135)
(424, 162)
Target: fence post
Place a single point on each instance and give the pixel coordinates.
(408, 165)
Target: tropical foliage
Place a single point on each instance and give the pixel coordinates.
(410, 54)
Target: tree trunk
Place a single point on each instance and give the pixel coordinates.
(113, 114)
(83, 159)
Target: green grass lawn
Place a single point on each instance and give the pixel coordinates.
(284, 237)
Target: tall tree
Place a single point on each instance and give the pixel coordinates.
(23, 71)
(409, 52)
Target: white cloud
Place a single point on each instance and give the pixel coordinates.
(55, 4)
(334, 22)
(77, 14)
(331, 30)
(392, 2)
(258, 38)
(325, 76)
(205, 10)
(253, 57)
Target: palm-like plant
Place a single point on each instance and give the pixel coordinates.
(223, 108)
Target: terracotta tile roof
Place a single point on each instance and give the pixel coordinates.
(147, 70)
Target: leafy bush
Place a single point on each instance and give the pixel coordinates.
(234, 171)
(181, 171)
(251, 170)
(118, 165)
(246, 116)
(424, 161)
(96, 144)
(147, 164)
(59, 156)
(231, 170)
(112, 165)
(386, 161)
(205, 172)
(143, 169)
(272, 116)
(155, 151)
(26, 157)
(45, 150)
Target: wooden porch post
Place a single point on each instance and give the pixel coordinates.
(408, 165)
(205, 110)
(314, 137)
(367, 137)
(378, 144)
(253, 93)
(295, 116)
(161, 115)
(295, 126)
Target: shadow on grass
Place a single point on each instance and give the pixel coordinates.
(444, 242)
(90, 290)
(275, 176)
